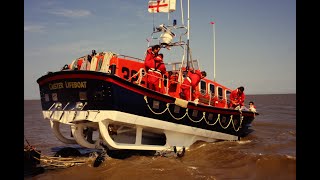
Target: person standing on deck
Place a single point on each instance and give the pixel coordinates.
(82, 63)
(150, 65)
(237, 98)
(155, 74)
(152, 52)
(190, 89)
(86, 64)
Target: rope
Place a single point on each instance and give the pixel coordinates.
(241, 119)
(145, 98)
(180, 117)
(133, 76)
(203, 114)
(228, 123)
(218, 119)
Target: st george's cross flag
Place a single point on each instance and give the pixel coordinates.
(163, 6)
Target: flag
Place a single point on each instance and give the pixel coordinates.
(164, 6)
(211, 22)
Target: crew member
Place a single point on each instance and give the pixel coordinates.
(190, 89)
(155, 74)
(237, 98)
(152, 52)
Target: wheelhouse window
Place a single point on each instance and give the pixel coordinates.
(220, 93)
(203, 86)
(228, 96)
(211, 90)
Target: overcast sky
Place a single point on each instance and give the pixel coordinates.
(255, 39)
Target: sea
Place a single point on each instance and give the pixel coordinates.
(267, 153)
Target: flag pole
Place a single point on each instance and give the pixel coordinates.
(169, 13)
(188, 35)
(182, 18)
(214, 50)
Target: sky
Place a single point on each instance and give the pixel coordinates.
(255, 40)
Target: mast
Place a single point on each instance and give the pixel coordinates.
(214, 51)
(182, 18)
(187, 66)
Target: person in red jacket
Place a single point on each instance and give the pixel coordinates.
(237, 98)
(155, 73)
(151, 53)
(190, 89)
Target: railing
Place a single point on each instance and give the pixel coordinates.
(171, 81)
